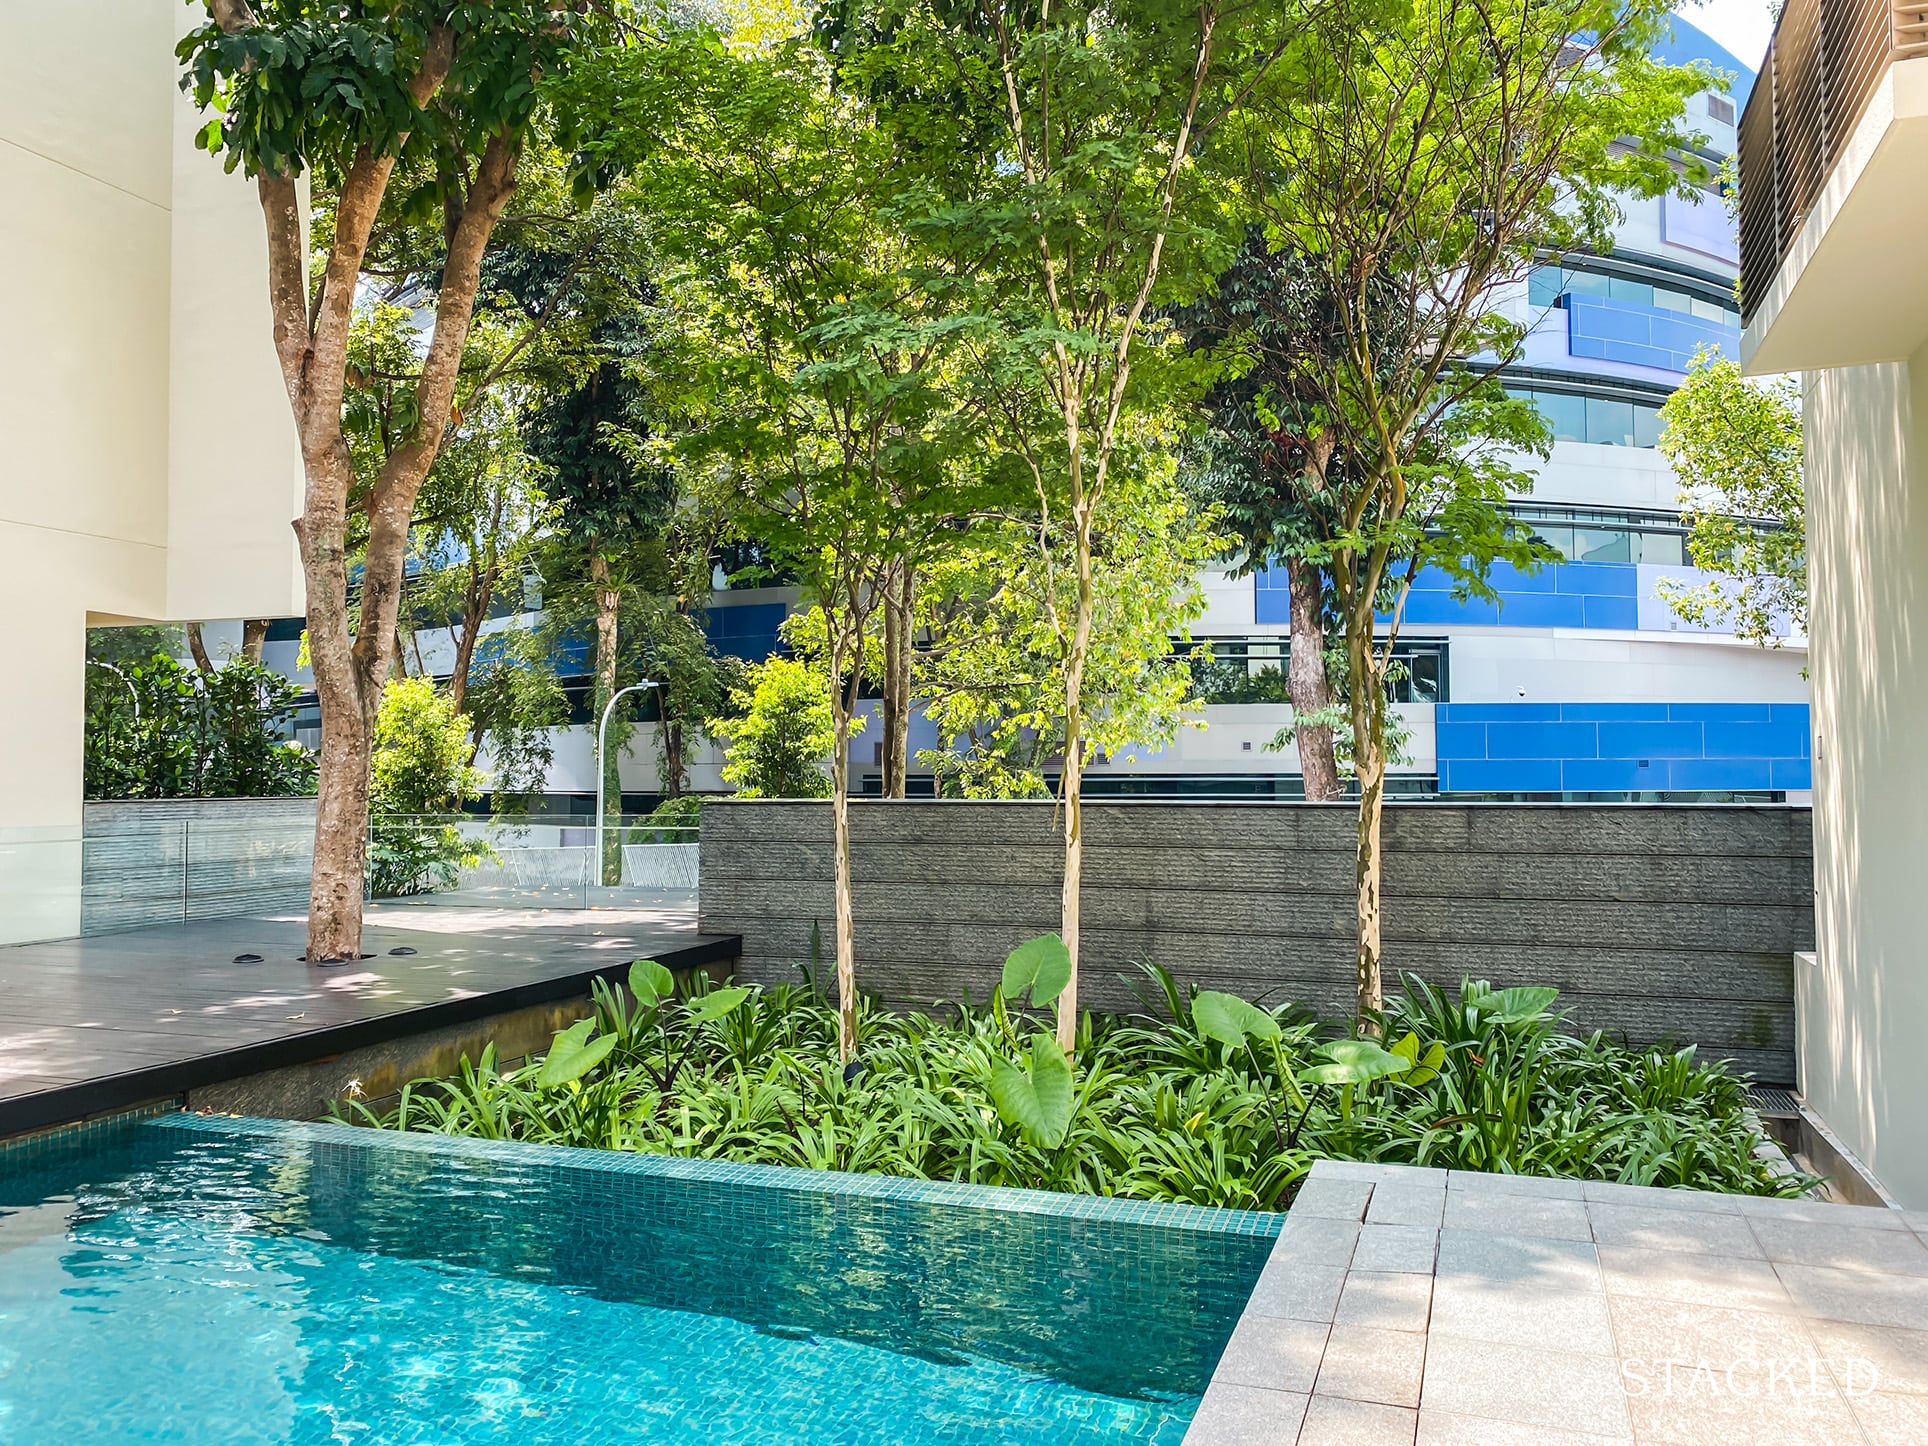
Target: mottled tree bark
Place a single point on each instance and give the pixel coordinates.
(254, 636)
(609, 599)
(899, 595)
(1306, 682)
(198, 647)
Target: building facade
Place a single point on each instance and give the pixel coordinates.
(1834, 187)
(151, 469)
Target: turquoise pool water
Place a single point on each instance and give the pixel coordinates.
(188, 1279)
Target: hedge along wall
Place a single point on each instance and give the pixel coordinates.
(1654, 922)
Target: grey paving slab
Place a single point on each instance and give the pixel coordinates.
(1233, 1415)
(1396, 1247)
(1511, 1315)
(1891, 1420)
(1332, 1198)
(1291, 1291)
(1696, 1279)
(1333, 1421)
(1669, 1324)
(1804, 1242)
(1482, 1183)
(1362, 1363)
(1397, 1301)
(1274, 1354)
(1688, 1231)
(1401, 1204)
(1525, 1385)
(1857, 1296)
(1519, 1260)
(1508, 1214)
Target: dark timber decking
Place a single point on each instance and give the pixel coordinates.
(99, 1023)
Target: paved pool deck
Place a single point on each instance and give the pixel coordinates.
(107, 1021)
(1432, 1308)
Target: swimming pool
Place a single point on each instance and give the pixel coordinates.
(206, 1279)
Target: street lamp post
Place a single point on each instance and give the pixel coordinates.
(602, 771)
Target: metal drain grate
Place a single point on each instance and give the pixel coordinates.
(1776, 1104)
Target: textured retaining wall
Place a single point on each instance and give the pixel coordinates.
(167, 860)
(1652, 921)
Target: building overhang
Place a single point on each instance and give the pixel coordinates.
(1848, 292)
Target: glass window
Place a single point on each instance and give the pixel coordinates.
(1672, 300)
(1555, 534)
(1609, 422)
(1586, 283)
(1638, 293)
(1599, 544)
(1667, 548)
(1646, 426)
(1566, 414)
(1544, 286)
(1721, 109)
(1711, 311)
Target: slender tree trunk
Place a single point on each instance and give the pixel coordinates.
(1071, 789)
(898, 599)
(476, 597)
(197, 645)
(670, 734)
(254, 634)
(1306, 681)
(1368, 708)
(846, 922)
(608, 605)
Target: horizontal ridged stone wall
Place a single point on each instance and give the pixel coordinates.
(164, 861)
(1654, 922)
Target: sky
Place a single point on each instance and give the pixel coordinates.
(1742, 26)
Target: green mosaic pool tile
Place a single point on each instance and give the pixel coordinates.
(26, 1147)
(1166, 1215)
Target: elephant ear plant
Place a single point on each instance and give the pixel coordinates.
(657, 1036)
(1034, 1096)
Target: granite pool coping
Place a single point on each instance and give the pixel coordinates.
(1163, 1215)
(1429, 1308)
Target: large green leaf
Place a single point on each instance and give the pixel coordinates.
(1035, 1099)
(1231, 1020)
(1508, 1006)
(573, 1054)
(1042, 965)
(650, 982)
(717, 1003)
(1422, 1067)
(1352, 1062)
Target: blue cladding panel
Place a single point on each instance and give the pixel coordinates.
(1650, 740)
(1619, 613)
(1598, 595)
(1472, 776)
(1621, 747)
(1597, 579)
(1648, 336)
(1542, 740)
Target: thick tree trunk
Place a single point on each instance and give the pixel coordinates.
(899, 596)
(1306, 682)
(197, 645)
(254, 635)
(608, 608)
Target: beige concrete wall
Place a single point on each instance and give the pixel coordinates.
(150, 470)
(1863, 1006)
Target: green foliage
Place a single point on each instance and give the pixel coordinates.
(1736, 447)
(1158, 1106)
(778, 747)
(1041, 965)
(157, 729)
(419, 773)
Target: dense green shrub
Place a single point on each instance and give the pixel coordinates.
(158, 729)
(419, 774)
(1201, 1098)
(779, 746)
